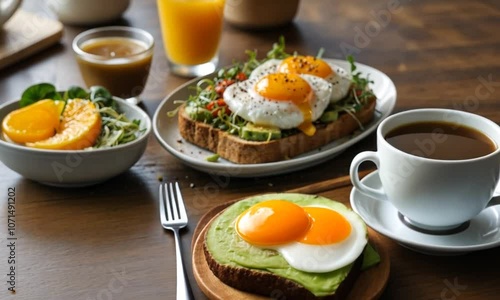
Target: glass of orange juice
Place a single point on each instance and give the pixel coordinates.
(116, 57)
(191, 32)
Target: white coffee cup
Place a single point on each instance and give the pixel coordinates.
(432, 194)
(7, 9)
(88, 12)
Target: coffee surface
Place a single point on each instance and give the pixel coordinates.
(440, 140)
(113, 47)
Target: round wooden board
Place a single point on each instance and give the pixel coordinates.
(369, 285)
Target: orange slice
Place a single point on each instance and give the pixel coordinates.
(79, 128)
(34, 122)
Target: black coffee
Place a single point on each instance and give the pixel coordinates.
(440, 140)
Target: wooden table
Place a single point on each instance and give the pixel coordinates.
(106, 242)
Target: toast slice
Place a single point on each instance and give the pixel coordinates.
(257, 270)
(273, 286)
(240, 151)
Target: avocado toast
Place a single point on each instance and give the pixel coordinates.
(249, 118)
(266, 272)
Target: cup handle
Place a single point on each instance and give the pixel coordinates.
(496, 192)
(495, 199)
(372, 156)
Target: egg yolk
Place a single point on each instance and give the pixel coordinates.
(305, 65)
(278, 222)
(289, 87)
(284, 87)
(327, 227)
(272, 222)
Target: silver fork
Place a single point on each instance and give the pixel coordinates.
(173, 217)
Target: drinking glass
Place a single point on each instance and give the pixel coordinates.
(115, 57)
(191, 34)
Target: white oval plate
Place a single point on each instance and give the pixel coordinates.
(166, 131)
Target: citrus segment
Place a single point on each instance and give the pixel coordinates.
(79, 128)
(32, 123)
(60, 106)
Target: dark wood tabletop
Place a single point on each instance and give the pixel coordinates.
(106, 241)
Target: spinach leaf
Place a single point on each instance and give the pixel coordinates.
(76, 92)
(39, 92)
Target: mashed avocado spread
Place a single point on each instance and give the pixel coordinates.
(227, 248)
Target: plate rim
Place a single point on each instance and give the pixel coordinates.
(302, 161)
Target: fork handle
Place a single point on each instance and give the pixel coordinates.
(183, 288)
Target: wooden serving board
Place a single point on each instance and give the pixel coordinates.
(26, 34)
(369, 285)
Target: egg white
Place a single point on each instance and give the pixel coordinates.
(244, 101)
(326, 258)
(339, 79)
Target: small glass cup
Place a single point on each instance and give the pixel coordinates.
(115, 57)
(191, 34)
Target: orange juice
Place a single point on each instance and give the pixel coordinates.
(191, 29)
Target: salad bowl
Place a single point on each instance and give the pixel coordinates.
(75, 168)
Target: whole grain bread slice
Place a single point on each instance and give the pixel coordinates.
(241, 151)
(270, 285)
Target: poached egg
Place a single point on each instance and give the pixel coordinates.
(280, 99)
(335, 75)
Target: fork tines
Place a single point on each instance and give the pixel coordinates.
(173, 203)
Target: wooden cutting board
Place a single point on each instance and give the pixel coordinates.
(369, 285)
(26, 34)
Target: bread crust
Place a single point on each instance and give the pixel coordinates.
(241, 151)
(273, 286)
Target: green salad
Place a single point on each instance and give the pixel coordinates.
(116, 128)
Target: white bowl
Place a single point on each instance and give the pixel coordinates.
(260, 14)
(88, 12)
(75, 167)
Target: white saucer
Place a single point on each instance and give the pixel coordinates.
(483, 231)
